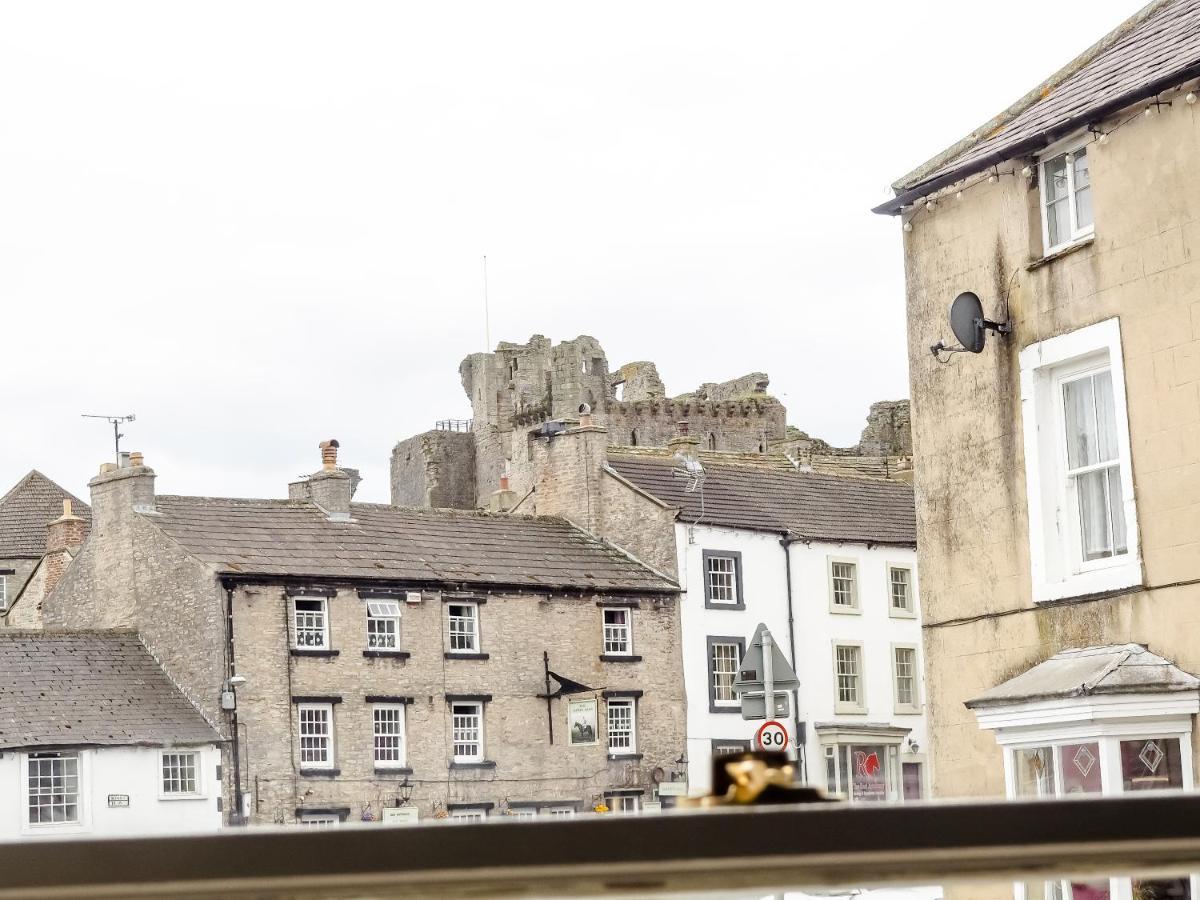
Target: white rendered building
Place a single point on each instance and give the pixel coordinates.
(97, 742)
(829, 564)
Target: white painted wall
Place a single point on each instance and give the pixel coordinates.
(816, 630)
(134, 771)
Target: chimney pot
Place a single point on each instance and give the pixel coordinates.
(504, 482)
(329, 454)
(136, 458)
(106, 468)
(66, 507)
(682, 427)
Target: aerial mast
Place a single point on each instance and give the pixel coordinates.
(116, 422)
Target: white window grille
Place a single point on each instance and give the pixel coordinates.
(622, 737)
(843, 577)
(467, 731)
(389, 735)
(1066, 189)
(316, 735)
(900, 580)
(905, 662)
(849, 675)
(721, 578)
(462, 622)
(311, 621)
(3, 592)
(617, 632)
(524, 812)
(383, 624)
(559, 812)
(723, 668)
(180, 773)
(320, 820)
(53, 788)
(468, 815)
(625, 804)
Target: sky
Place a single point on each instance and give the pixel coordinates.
(258, 225)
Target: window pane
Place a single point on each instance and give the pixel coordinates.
(868, 773)
(1081, 768)
(620, 726)
(1116, 509)
(1148, 765)
(900, 589)
(1106, 416)
(1034, 772)
(906, 676)
(843, 583)
(721, 575)
(847, 675)
(1056, 178)
(1080, 423)
(466, 722)
(724, 666)
(1083, 190)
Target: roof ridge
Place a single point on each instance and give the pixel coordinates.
(1029, 99)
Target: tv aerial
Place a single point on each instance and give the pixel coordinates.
(970, 326)
(116, 422)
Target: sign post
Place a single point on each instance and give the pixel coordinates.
(764, 678)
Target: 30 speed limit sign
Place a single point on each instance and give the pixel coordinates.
(771, 736)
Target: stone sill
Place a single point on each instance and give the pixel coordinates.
(1060, 253)
(624, 757)
(405, 771)
(619, 657)
(466, 655)
(465, 766)
(298, 651)
(386, 654)
(320, 773)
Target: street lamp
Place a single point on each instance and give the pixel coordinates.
(404, 792)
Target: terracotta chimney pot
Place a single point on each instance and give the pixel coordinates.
(329, 451)
(136, 458)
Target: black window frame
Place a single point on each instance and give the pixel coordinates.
(736, 556)
(709, 640)
(743, 744)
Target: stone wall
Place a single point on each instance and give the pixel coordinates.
(434, 469)
(514, 629)
(22, 569)
(1142, 266)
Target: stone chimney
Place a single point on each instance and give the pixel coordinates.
(569, 467)
(684, 442)
(121, 489)
(504, 499)
(64, 534)
(330, 487)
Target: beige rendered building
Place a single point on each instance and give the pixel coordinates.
(1057, 471)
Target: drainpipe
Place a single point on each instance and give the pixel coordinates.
(786, 543)
(235, 814)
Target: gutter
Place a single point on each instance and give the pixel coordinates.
(786, 542)
(1045, 138)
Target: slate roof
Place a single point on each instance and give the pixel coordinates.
(295, 538)
(1082, 672)
(1156, 49)
(33, 503)
(61, 689)
(807, 504)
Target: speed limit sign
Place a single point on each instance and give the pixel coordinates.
(771, 736)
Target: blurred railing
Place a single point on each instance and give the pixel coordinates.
(453, 425)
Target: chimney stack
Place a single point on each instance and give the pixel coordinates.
(121, 489)
(684, 442)
(330, 487)
(64, 534)
(504, 499)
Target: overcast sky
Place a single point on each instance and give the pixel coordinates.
(258, 225)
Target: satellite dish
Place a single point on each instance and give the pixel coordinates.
(967, 322)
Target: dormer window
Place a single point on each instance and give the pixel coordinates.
(1066, 193)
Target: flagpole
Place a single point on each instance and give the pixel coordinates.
(549, 701)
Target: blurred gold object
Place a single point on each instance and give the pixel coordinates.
(763, 777)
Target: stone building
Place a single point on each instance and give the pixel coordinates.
(522, 393)
(41, 529)
(1058, 471)
(358, 655)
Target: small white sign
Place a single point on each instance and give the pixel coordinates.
(400, 815)
(118, 800)
(672, 789)
(652, 806)
(771, 736)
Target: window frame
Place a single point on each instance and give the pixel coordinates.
(900, 708)
(402, 735)
(616, 802)
(325, 635)
(842, 609)
(4, 591)
(627, 612)
(743, 745)
(477, 634)
(479, 756)
(199, 792)
(712, 640)
(330, 760)
(395, 619)
(629, 703)
(909, 611)
(739, 601)
(843, 706)
(80, 821)
(1057, 569)
(1078, 235)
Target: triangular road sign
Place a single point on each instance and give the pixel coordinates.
(750, 670)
